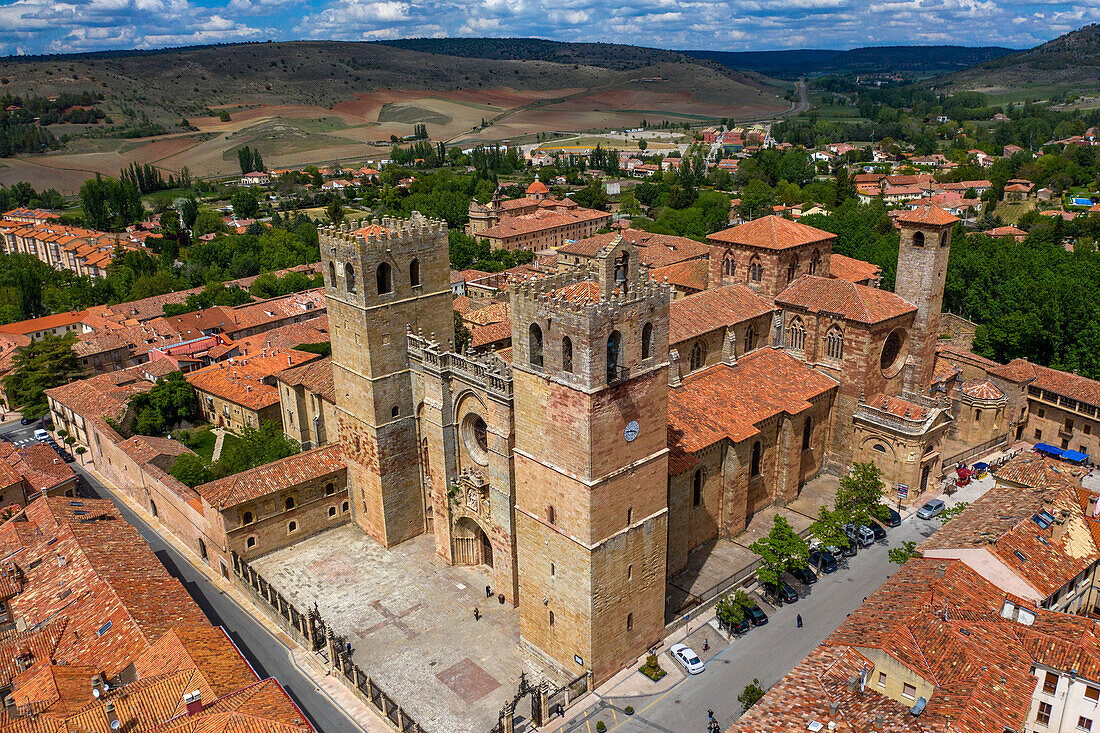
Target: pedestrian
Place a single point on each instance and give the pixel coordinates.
(798, 618)
(488, 591)
(710, 715)
(477, 614)
(706, 645)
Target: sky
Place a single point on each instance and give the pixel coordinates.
(65, 26)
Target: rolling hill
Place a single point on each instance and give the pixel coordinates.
(870, 60)
(313, 101)
(1070, 61)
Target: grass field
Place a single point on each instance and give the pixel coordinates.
(202, 442)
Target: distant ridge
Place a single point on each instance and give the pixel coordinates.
(872, 59)
(1071, 60)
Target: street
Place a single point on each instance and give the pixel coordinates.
(765, 653)
(265, 652)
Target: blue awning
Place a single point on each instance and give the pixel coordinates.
(980, 466)
(1048, 449)
(1075, 456)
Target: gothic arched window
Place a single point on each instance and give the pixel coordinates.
(385, 279)
(729, 265)
(750, 338)
(414, 272)
(756, 270)
(754, 467)
(349, 278)
(834, 344)
(796, 335)
(647, 340)
(614, 346)
(567, 355)
(698, 356)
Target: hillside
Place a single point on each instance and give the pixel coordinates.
(304, 102)
(1071, 61)
(870, 60)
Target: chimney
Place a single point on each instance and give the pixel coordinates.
(97, 686)
(112, 716)
(834, 708)
(193, 701)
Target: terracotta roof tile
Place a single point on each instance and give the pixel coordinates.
(727, 402)
(247, 380)
(654, 250)
(258, 482)
(854, 302)
(540, 220)
(689, 274)
(981, 389)
(712, 309)
(927, 215)
(1065, 384)
(104, 394)
(316, 376)
(852, 270)
(771, 232)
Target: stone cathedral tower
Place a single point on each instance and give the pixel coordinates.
(590, 369)
(922, 270)
(381, 280)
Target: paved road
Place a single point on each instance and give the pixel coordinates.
(264, 652)
(765, 653)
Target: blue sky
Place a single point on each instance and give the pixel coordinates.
(60, 26)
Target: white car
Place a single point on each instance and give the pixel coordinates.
(690, 661)
(41, 435)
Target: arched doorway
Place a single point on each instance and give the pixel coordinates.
(925, 472)
(471, 544)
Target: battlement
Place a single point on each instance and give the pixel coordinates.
(384, 233)
(578, 291)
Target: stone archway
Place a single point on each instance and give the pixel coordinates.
(471, 544)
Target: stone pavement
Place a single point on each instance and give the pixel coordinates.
(410, 619)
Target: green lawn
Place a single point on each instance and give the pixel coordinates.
(202, 442)
(230, 439)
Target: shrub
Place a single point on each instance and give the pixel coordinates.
(629, 710)
(600, 726)
(652, 668)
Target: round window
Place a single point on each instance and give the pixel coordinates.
(475, 436)
(893, 353)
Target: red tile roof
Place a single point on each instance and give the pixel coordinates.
(898, 407)
(927, 215)
(712, 309)
(654, 250)
(1065, 384)
(272, 477)
(854, 302)
(316, 376)
(981, 389)
(852, 270)
(688, 275)
(541, 220)
(727, 402)
(247, 380)
(105, 395)
(44, 323)
(771, 232)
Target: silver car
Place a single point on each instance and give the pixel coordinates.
(931, 509)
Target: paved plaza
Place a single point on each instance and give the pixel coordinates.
(410, 619)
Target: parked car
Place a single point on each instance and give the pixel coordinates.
(742, 626)
(25, 421)
(780, 591)
(847, 548)
(804, 575)
(756, 615)
(866, 535)
(931, 509)
(42, 436)
(850, 532)
(690, 661)
(876, 530)
(893, 519)
(823, 560)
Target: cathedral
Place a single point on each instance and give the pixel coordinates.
(619, 429)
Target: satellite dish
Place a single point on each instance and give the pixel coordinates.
(115, 725)
(95, 693)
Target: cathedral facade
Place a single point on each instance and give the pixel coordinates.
(622, 430)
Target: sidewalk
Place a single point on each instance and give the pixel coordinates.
(307, 662)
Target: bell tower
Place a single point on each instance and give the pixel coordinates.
(590, 361)
(922, 270)
(381, 280)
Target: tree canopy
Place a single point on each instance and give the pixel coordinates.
(48, 362)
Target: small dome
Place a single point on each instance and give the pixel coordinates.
(537, 187)
(982, 390)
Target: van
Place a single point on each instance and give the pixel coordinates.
(865, 535)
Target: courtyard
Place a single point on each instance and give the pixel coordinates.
(410, 619)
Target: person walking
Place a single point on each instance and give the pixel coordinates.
(477, 615)
(798, 618)
(488, 591)
(706, 645)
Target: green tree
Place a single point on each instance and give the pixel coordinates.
(781, 549)
(859, 495)
(43, 364)
(256, 447)
(207, 222)
(335, 210)
(592, 196)
(245, 205)
(190, 469)
(188, 210)
(952, 511)
(901, 555)
(462, 333)
(729, 612)
(171, 401)
(750, 695)
(642, 145)
(757, 199)
(224, 116)
(828, 528)
(110, 205)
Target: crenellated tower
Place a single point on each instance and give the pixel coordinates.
(589, 368)
(381, 280)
